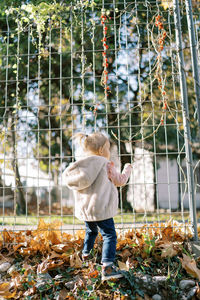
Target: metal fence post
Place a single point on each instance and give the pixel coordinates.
(185, 113)
(193, 48)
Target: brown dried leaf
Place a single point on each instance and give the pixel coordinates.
(75, 261)
(26, 251)
(38, 245)
(122, 243)
(130, 234)
(80, 234)
(20, 237)
(30, 291)
(189, 264)
(167, 233)
(133, 263)
(54, 255)
(45, 226)
(50, 232)
(63, 256)
(63, 294)
(168, 250)
(7, 236)
(60, 248)
(15, 248)
(139, 238)
(48, 265)
(28, 269)
(125, 254)
(17, 279)
(123, 266)
(6, 259)
(4, 290)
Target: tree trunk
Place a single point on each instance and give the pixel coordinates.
(21, 203)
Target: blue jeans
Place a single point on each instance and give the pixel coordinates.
(107, 230)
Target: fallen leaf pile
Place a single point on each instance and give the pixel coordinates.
(46, 262)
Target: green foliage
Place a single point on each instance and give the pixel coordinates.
(150, 243)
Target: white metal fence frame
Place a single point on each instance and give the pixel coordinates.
(90, 111)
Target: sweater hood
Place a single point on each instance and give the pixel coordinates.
(82, 173)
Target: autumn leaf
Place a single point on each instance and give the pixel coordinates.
(75, 261)
(122, 243)
(17, 279)
(19, 246)
(168, 250)
(67, 236)
(60, 248)
(54, 255)
(30, 291)
(189, 264)
(50, 232)
(125, 254)
(4, 290)
(48, 265)
(123, 266)
(7, 236)
(93, 274)
(167, 233)
(5, 259)
(45, 226)
(63, 294)
(80, 234)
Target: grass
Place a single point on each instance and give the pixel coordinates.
(68, 219)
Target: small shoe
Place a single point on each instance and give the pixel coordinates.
(111, 272)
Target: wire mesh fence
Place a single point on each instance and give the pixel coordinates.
(120, 67)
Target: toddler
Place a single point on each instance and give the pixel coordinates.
(94, 180)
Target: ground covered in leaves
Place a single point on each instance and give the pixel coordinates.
(45, 264)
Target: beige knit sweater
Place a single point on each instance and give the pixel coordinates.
(96, 197)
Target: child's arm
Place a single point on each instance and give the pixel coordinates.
(117, 178)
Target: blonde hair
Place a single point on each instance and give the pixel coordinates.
(92, 142)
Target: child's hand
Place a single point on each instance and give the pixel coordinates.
(128, 165)
(118, 179)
